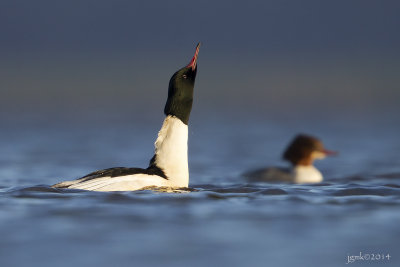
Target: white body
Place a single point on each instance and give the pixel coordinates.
(299, 175)
(306, 175)
(121, 183)
(171, 150)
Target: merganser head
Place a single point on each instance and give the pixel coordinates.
(304, 149)
(180, 90)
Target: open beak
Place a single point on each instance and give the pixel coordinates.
(193, 62)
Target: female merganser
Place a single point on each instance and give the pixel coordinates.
(169, 165)
(301, 153)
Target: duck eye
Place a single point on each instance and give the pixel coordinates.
(184, 76)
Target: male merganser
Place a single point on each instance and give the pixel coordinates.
(169, 165)
(301, 153)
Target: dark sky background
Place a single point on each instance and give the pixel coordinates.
(273, 57)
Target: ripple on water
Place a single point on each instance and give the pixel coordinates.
(235, 189)
(273, 191)
(360, 191)
(392, 185)
(389, 175)
(304, 193)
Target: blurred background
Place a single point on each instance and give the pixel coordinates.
(83, 85)
(267, 70)
(275, 58)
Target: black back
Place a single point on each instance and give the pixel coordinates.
(123, 171)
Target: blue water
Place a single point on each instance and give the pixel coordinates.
(221, 220)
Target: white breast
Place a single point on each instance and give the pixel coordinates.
(171, 150)
(306, 174)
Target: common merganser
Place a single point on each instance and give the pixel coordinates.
(301, 153)
(169, 165)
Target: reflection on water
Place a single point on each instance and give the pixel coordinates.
(220, 221)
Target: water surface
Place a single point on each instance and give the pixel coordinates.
(222, 220)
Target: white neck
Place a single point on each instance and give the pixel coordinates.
(171, 150)
(306, 174)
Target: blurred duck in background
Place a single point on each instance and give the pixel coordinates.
(301, 154)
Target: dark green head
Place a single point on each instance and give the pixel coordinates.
(180, 90)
